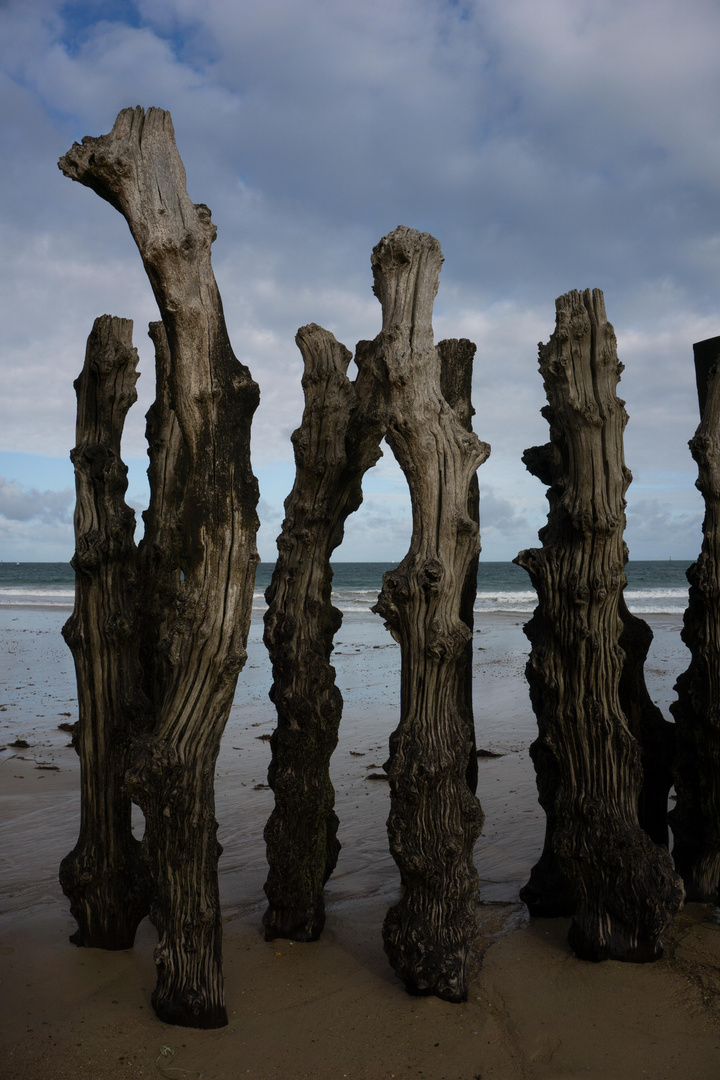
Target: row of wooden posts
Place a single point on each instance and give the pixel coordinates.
(159, 631)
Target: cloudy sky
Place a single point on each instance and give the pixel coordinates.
(548, 146)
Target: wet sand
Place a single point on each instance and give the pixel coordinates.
(332, 1009)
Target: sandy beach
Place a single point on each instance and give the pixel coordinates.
(331, 1009)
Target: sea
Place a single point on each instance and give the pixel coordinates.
(653, 586)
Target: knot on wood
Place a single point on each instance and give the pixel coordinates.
(600, 588)
(396, 592)
(431, 575)
(702, 575)
(606, 355)
(94, 459)
(294, 710)
(91, 164)
(155, 767)
(465, 526)
(89, 551)
(542, 667)
(577, 323)
(72, 632)
(118, 627)
(588, 410)
(232, 666)
(388, 611)
(545, 462)
(589, 520)
(532, 560)
(300, 439)
(471, 447)
(705, 449)
(204, 214)
(447, 642)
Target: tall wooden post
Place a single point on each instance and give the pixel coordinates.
(695, 821)
(435, 819)
(597, 860)
(338, 440)
(198, 557)
(105, 875)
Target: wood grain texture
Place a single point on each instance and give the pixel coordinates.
(198, 557)
(695, 821)
(337, 441)
(435, 818)
(105, 876)
(597, 862)
(456, 367)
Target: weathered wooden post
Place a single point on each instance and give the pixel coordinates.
(695, 821)
(105, 875)
(597, 861)
(197, 559)
(434, 817)
(338, 440)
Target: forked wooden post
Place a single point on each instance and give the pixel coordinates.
(597, 860)
(338, 440)
(435, 818)
(198, 557)
(695, 821)
(105, 876)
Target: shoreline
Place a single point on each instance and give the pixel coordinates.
(333, 1008)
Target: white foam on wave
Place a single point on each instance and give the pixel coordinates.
(37, 590)
(668, 601)
(641, 594)
(37, 597)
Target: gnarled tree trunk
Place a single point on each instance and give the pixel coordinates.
(695, 821)
(434, 817)
(588, 764)
(198, 557)
(338, 440)
(105, 876)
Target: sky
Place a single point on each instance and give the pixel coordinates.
(550, 146)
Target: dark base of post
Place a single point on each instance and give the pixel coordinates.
(188, 1011)
(618, 948)
(108, 907)
(295, 924)
(426, 965)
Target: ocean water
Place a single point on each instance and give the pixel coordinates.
(659, 587)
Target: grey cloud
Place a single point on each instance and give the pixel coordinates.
(655, 530)
(22, 504)
(499, 513)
